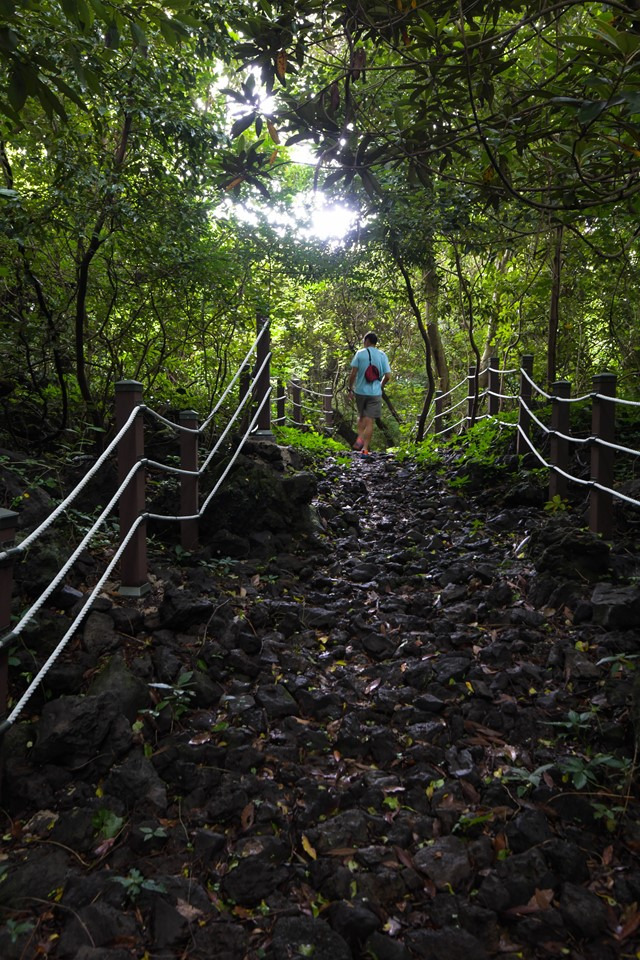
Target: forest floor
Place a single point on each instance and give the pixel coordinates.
(413, 736)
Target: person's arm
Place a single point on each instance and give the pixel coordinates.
(352, 378)
(387, 371)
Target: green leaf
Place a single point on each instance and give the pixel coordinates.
(8, 39)
(138, 35)
(101, 11)
(18, 91)
(428, 21)
(242, 124)
(112, 37)
(69, 92)
(168, 32)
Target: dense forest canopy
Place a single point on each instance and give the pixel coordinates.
(490, 153)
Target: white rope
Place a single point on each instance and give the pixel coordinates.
(586, 483)
(196, 516)
(452, 427)
(502, 372)
(313, 393)
(502, 396)
(167, 468)
(614, 446)
(26, 696)
(176, 427)
(456, 405)
(62, 506)
(453, 389)
(224, 433)
(33, 609)
(534, 384)
(251, 350)
(533, 417)
(628, 403)
(585, 396)
(615, 493)
(503, 423)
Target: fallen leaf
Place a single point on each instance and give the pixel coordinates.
(104, 847)
(248, 816)
(308, 848)
(541, 900)
(187, 910)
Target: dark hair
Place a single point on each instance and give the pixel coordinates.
(371, 337)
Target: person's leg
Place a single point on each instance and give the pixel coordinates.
(365, 431)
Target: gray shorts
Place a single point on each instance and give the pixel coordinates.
(369, 406)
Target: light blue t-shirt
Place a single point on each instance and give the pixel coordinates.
(361, 361)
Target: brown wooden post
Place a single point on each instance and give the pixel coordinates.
(603, 426)
(471, 397)
(296, 400)
(133, 563)
(524, 420)
(280, 400)
(244, 382)
(438, 420)
(327, 406)
(8, 519)
(494, 387)
(559, 448)
(189, 484)
(263, 382)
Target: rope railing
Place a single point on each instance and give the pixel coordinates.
(492, 369)
(313, 393)
(68, 500)
(207, 501)
(84, 611)
(128, 442)
(601, 441)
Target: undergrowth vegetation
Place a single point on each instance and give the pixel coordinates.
(310, 443)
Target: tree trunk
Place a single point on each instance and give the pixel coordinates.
(489, 346)
(466, 297)
(432, 291)
(427, 347)
(554, 307)
(85, 259)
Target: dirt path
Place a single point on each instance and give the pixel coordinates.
(396, 742)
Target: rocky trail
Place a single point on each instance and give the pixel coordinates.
(410, 734)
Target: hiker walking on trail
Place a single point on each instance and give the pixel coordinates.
(370, 371)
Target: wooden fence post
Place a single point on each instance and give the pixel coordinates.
(189, 485)
(524, 420)
(327, 406)
(559, 448)
(438, 426)
(296, 401)
(263, 381)
(603, 426)
(8, 519)
(471, 397)
(280, 400)
(494, 387)
(133, 563)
